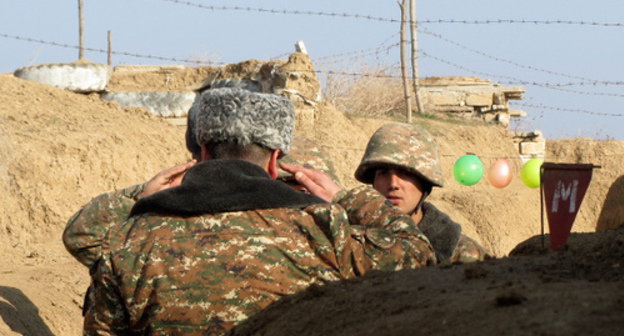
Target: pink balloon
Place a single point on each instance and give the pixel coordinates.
(500, 174)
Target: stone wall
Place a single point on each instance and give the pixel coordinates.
(530, 144)
(470, 97)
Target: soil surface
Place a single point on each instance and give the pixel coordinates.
(59, 149)
(578, 291)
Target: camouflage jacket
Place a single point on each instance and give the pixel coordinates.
(87, 228)
(445, 235)
(199, 258)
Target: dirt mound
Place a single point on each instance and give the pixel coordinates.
(58, 149)
(578, 291)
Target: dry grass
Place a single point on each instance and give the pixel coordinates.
(376, 94)
(373, 95)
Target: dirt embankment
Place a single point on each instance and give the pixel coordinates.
(59, 149)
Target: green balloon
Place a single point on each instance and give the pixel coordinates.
(530, 173)
(468, 170)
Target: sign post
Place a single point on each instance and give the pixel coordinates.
(562, 188)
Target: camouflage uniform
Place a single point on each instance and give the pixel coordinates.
(170, 269)
(468, 250)
(87, 228)
(445, 235)
(413, 149)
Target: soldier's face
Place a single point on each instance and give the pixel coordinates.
(401, 188)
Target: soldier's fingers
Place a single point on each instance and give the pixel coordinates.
(312, 173)
(291, 168)
(313, 187)
(174, 171)
(307, 182)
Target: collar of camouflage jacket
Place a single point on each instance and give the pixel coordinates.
(442, 231)
(216, 186)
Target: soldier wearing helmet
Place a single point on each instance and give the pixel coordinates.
(402, 163)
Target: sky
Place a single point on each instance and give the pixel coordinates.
(573, 72)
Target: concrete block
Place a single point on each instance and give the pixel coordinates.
(77, 77)
(447, 98)
(476, 99)
(533, 148)
(162, 104)
(503, 119)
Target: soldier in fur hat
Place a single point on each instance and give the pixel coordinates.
(201, 256)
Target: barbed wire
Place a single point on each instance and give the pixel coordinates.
(356, 54)
(362, 52)
(342, 73)
(381, 46)
(121, 53)
(498, 59)
(560, 109)
(509, 80)
(382, 19)
(283, 11)
(522, 21)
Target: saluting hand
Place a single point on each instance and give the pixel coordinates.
(167, 178)
(318, 183)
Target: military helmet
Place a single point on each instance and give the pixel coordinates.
(307, 153)
(404, 146)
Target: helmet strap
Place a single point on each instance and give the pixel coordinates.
(425, 194)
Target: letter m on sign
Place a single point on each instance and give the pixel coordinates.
(563, 187)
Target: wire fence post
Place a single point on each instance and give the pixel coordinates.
(110, 48)
(406, 92)
(80, 29)
(415, 71)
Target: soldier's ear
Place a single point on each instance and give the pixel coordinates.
(205, 155)
(272, 164)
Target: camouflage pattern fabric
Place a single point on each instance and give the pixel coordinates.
(405, 146)
(87, 228)
(468, 250)
(307, 153)
(203, 275)
(449, 244)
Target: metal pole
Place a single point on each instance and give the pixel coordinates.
(542, 205)
(406, 91)
(110, 48)
(415, 72)
(80, 29)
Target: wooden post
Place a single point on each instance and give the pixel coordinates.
(406, 91)
(80, 29)
(110, 48)
(415, 72)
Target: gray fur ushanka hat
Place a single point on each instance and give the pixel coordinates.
(244, 117)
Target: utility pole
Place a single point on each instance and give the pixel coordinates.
(415, 73)
(406, 91)
(80, 29)
(110, 48)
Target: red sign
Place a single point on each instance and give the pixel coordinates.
(563, 187)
